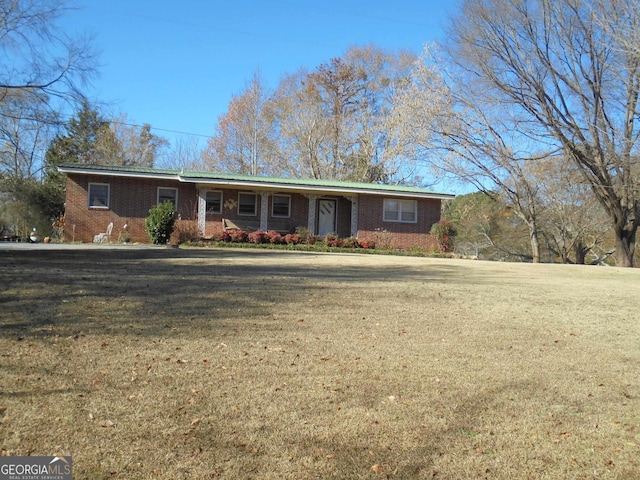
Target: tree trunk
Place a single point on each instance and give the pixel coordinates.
(535, 244)
(581, 252)
(625, 245)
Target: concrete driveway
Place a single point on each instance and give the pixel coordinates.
(8, 246)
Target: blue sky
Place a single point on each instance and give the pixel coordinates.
(175, 65)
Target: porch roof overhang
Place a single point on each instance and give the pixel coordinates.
(222, 180)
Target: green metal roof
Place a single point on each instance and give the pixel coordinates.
(231, 179)
(72, 167)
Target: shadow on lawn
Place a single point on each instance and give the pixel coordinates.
(147, 291)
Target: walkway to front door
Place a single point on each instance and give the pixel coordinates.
(326, 217)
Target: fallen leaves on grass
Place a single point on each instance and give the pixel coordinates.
(384, 469)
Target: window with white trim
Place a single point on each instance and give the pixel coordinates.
(168, 195)
(281, 206)
(214, 202)
(98, 195)
(404, 211)
(247, 203)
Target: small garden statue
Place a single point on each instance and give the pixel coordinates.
(33, 236)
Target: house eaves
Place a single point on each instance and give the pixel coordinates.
(309, 186)
(120, 171)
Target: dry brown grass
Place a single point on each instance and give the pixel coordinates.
(175, 364)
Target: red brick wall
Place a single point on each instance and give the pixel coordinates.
(399, 235)
(129, 203)
(131, 199)
(299, 211)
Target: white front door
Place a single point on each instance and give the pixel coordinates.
(326, 217)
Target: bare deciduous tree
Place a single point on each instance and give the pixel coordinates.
(356, 94)
(573, 223)
(39, 57)
(382, 153)
(337, 122)
(422, 102)
(301, 129)
(43, 69)
(241, 142)
(570, 82)
(184, 153)
(480, 152)
(129, 144)
(474, 140)
(24, 134)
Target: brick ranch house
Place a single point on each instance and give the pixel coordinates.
(99, 195)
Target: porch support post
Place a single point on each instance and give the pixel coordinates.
(264, 210)
(202, 212)
(311, 221)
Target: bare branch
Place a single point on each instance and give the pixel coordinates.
(569, 75)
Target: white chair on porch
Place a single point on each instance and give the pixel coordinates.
(104, 237)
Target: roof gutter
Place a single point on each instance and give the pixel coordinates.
(315, 188)
(116, 173)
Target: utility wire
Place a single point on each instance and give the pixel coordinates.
(127, 124)
(160, 129)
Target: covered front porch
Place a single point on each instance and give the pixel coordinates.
(319, 214)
